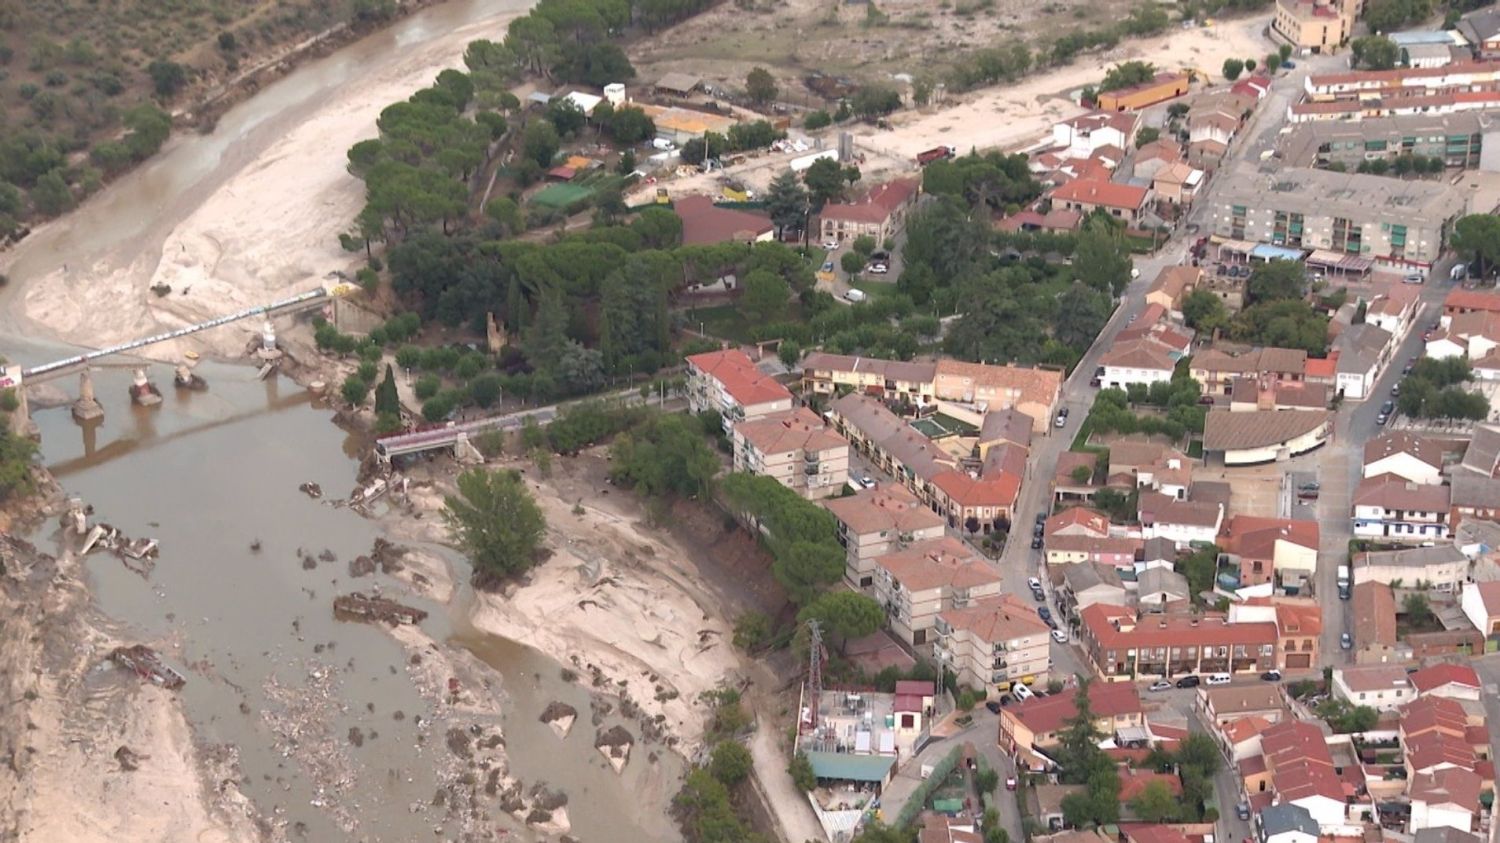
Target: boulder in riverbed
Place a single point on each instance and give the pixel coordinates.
(614, 744)
(560, 716)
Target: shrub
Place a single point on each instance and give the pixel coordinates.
(427, 386)
(355, 389)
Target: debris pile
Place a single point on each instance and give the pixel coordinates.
(614, 744)
(369, 607)
(560, 716)
(311, 489)
(148, 665)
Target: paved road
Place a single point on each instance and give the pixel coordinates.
(983, 734)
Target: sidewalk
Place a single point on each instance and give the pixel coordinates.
(794, 814)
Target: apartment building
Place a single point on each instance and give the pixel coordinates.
(881, 214)
(890, 443)
(1359, 84)
(1316, 27)
(878, 521)
(729, 383)
(1396, 222)
(1457, 139)
(992, 643)
(1033, 392)
(919, 582)
(796, 449)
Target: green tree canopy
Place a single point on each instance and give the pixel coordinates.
(844, 615)
(760, 86)
(495, 521)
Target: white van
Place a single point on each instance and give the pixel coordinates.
(1218, 679)
(855, 296)
(1021, 692)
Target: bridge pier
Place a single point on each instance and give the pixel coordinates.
(185, 377)
(86, 408)
(142, 391)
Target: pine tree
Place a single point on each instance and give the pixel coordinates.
(386, 399)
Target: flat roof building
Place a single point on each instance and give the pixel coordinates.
(1456, 138)
(1389, 220)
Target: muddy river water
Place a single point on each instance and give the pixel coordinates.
(209, 473)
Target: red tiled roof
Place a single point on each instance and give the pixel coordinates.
(704, 223)
(1043, 715)
(1430, 678)
(1170, 630)
(1245, 728)
(1106, 193)
(745, 383)
(1451, 786)
(1428, 714)
(1255, 537)
(1430, 749)
(919, 687)
(878, 204)
(1082, 519)
(1461, 299)
(997, 489)
(794, 430)
(1389, 491)
(1153, 833)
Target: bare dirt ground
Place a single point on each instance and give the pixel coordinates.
(1005, 117)
(619, 599)
(71, 717)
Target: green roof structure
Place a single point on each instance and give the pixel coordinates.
(856, 768)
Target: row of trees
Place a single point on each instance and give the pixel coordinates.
(1112, 413)
(1278, 313)
(1434, 390)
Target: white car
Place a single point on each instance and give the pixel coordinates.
(1021, 692)
(1160, 685)
(831, 245)
(1059, 636)
(878, 269)
(1033, 583)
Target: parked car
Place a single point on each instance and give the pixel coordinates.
(1413, 278)
(1006, 699)
(831, 245)
(1395, 390)
(1022, 692)
(1051, 623)
(1010, 782)
(1387, 408)
(1059, 636)
(1289, 64)
(1036, 544)
(1033, 583)
(1041, 517)
(1160, 685)
(1189, 681)
(1382, 419)
(1242, 810)
(1346, 641)
(878, 269)
(993, 706)
(1041, 596)
(1272, 675)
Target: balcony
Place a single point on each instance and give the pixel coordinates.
(999, 664)
(811, 469)
(810, 456)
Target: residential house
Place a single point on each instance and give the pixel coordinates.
(1150, 465)
(1171, 286)
(896, 380)
(978, 503)
(1069, 480)
(937, 828)
(1079, 534)
(728, 383)
(704, 223)
(890, 443)
(877, 521)
(1397, 222)
(1247, 395)
(1302, 772)
(881, 214)
(1362, 352)
(1390, 507)
(1445, 798)
(796, 449)
(1034, 392)
(1481, 604)
(1083, 136)
(1182, 521)
(1374, 608)
(992, 643)
(1122, 646)
(1163, 87)
(1446, 834)
(1216, 369)
(1461, 300)
(1286, 823)
(1482, 30)
(1178, 184)
(1373, 605)
(1382, 687)
(1240, 740)
(1035, 724)
(1004, 427)
(919, 582)
(1264, 436)
(1438, 568)
(1088, 583)
(1141, 361)
(1473, 335)
(1151, 158)
(1448, 680)
(1413, 458)
(1224, 704)
(1123, 201)
(1265, 548)
(1161, 589)
(1393, 313)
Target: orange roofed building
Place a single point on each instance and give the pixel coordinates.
(1123, 201)
(729, 383)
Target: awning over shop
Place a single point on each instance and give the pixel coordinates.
(1336, 262)
(1268, 252)
(1242, 248)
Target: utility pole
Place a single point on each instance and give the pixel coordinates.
(814, 671)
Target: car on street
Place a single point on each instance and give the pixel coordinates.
(1006, 699)
(1242, 810)
(1010, 782)
(867, 481)
(1395, 390)
(831, 245)
(1410, 364)
(993, 706)
(1189, 681)
(1039, 595)
(1160, 685)
(878, 269)
(1413, 278)
(827, 266)
(1382, 418)
(1041, 517)
(1044, 613)
(1271, 676)
(1051, 623)
(1059, 636)
(1387, 408)
(1038, 529)
(1033, 583)
(1036, 544)
(1346, 641)
(1289, 64)
(1022, 692)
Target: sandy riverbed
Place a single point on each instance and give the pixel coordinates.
(269, 229)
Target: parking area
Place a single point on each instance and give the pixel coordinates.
(1255, 490)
